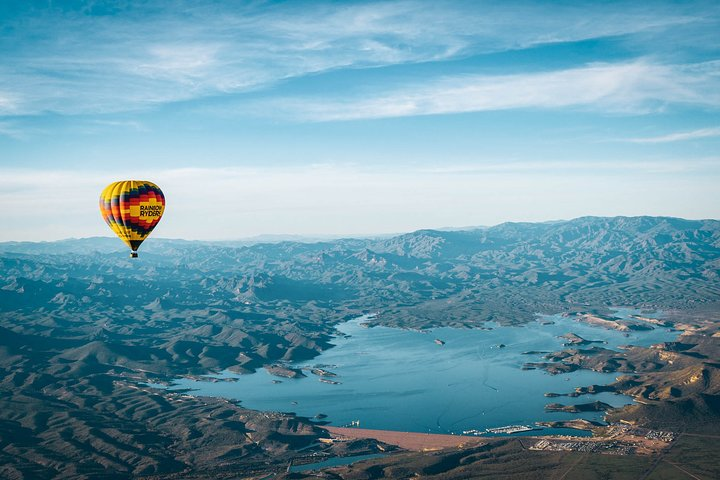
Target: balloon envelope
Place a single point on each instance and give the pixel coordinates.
(132, 208)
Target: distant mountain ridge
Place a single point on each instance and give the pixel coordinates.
(508, 272)
(581, 225)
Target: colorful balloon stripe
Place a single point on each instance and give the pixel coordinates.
(132, 209)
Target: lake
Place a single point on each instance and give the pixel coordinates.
(396, 379)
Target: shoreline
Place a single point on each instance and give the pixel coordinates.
(627, 438)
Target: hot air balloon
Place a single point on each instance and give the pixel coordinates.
(132, 208)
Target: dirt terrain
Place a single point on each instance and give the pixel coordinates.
(420, 442)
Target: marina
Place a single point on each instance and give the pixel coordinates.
(510, 429)
(507, 430)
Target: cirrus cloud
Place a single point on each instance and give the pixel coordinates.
(636, 87)
(679, 136)
(72, 62)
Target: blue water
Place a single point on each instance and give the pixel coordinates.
(334, 462)
(396, 379)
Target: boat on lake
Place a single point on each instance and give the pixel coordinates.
(331, 382)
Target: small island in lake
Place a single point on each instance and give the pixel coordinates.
(577, 424)
(280, 371)
(581, 407)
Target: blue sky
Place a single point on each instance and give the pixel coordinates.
(357, 117)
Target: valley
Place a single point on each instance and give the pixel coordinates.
(82, 328)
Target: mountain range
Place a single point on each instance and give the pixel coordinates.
(82, 326)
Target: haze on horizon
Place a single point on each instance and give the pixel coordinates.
(355, 118)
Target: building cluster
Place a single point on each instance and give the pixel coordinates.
(617, 429)
(611, 447)
(660, 435)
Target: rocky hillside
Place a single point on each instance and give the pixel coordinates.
(82, 326)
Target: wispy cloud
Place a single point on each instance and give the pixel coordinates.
(70, 62)
(8, 103)
(659, 167)
(9, 129)
(123, 124)
(627, 87)
(679, 136)
(236, 202)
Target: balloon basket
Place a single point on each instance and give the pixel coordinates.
(133, 255)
